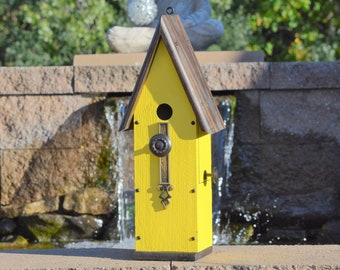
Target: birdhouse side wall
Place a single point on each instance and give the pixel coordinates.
(204, 191)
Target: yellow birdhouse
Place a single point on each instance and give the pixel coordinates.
(173, 116)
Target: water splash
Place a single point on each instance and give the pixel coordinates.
(223, 143)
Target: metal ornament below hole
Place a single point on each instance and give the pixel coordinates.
(160, 145)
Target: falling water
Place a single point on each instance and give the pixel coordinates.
(125, 222)
(222, 148)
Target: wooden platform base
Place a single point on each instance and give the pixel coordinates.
(171, 256)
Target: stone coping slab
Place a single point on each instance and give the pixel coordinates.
(101, 74)
(108, 73)
(223, 257)
(36, 80)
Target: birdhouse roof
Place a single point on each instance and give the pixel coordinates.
(172, 32)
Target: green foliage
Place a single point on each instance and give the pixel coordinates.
(237, 27)
(51, 32)
(301, 30)
(296, 30)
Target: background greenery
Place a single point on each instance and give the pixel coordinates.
(51, 32)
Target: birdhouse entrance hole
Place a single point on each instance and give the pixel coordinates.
(164, 111)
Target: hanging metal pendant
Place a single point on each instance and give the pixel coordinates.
(165, 194)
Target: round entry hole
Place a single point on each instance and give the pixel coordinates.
(164, 111)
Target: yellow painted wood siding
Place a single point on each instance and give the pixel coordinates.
(204, 191)
(185, 225)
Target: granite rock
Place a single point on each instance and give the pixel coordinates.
(37, 207)
(92, 201)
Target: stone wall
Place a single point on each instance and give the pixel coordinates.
(56, 140)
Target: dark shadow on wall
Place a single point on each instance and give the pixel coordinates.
(66, 161)
(285, 185)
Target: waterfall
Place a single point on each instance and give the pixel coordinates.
(125, 222)
(223, 143)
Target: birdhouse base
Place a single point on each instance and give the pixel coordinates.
(171, 256)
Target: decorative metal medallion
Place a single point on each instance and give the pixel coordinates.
(160, 145)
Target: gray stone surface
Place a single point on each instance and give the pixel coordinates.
(223, 257)
(309, 115)
(293, 182)
(30, 209)
(309, 75)
(36, 80)
(220, 77)
(284, 167)
(51, 149)
(247, 114)
(105, 79)
(31, 122)
(47, 228)
(43, 175)
(93, 201)
(237, 76)
(330, 232)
